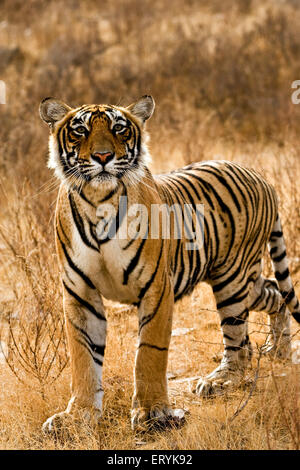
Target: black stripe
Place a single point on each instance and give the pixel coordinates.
(222, 180)
(273, 250)
(98, 361)
(232, 348)
(92, 230)
(83, 196)
(173, 198)
(216, 235)
(279, 258)
(231, 301)
(95, 359)
(62, 229)
(187, 181)
(114, 227)
(134, 261)
(149, 317)
(227, 210)
(232, 321)
(288, 296)
(67, 275)
(148, 283)
(62, 148)
(94, 347)
(177, 181)
(84, 303)
(84, 345)
(258, 299)
(79, 223)
(296, 316)
(181, 273)
(73, 265)
(228, 337)
(205, 193)
(277, 234)
(218, 287)
(128, 245)
(282, 276)
(152, 346)
(268, 297)
(109, 195)
(243, 343)
(98, 349)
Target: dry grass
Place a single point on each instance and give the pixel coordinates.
(221, 77)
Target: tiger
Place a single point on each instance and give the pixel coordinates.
(100, 155)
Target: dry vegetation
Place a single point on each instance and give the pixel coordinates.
(221, 74)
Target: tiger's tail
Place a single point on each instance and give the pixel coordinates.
(280, 264)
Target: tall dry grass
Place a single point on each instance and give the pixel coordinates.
(221, 75)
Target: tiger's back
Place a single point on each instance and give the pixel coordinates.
(239, 209)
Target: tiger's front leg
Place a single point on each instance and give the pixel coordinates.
(86, 334)
(150, 404)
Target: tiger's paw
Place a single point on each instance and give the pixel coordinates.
(211, 388)
(281, 350)
(65, 421)
(57, 422)
(158, 417)
(218, 383)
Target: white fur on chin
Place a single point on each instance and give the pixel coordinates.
(131, 177)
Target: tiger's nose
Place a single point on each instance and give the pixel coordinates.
(102, 157)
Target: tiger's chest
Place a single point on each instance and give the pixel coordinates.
(113, 264)
(116, 280)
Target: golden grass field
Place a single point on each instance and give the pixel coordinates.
(221, 75)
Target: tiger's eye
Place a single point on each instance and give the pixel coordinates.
(118, 127)
(80, 130)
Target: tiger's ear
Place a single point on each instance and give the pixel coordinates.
(52, 110)
(143, 108)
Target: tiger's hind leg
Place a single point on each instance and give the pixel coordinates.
(233, 311)
(265, 296)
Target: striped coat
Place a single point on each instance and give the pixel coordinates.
(230, 217)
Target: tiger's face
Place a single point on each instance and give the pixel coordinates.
(97, 144)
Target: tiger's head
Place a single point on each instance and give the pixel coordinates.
(97, 144)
